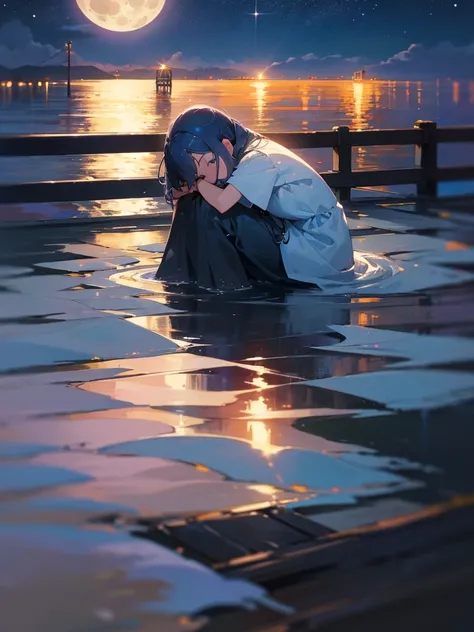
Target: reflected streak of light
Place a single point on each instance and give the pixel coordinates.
(260, 437)
(260, 99)
(161, 326)
(305, 101)
(359, 118)
(266, 490)
(368, 299)
(257, 407)
(259, 382)
(358, 89)
(456, 245)
(177, 381)
(366, 319)
(456, 86)
(304, 107)
(131, 116)
(129, 239)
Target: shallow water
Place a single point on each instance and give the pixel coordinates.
(124, 400)
(369, 270)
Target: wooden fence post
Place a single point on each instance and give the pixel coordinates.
(426, 158)
(342, 160)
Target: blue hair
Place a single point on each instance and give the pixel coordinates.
(200, 130)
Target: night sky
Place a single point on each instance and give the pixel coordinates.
(220, 30)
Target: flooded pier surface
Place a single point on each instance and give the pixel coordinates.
(125, 404)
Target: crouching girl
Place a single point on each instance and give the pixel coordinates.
(247, 210)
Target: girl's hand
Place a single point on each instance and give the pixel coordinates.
(179, 193)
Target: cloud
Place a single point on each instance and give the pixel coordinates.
(18, 48)
(312, 65)
(179, 60)
(110, 67)
(80, 30)
(417, 61)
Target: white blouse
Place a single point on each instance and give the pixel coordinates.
(318, 244)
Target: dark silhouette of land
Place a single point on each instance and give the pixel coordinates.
(59, 73)
(53, 73)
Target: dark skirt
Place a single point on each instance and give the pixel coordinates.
(222, 252)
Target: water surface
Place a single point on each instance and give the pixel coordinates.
(128, 106)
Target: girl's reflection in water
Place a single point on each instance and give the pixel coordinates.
(260, 322)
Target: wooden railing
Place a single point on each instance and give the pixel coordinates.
(425, 136)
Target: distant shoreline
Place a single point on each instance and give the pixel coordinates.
(57, 74)
(36, 81)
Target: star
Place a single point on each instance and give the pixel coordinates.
(256, 14)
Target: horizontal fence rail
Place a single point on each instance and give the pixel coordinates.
(425, 137)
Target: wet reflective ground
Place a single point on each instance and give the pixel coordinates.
(120, 397)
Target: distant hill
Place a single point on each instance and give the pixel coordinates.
(59, 73)
(53, 73)
(181, 73)
(138, 73)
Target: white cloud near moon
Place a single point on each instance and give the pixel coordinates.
(121, 15)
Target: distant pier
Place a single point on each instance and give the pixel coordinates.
(164, 79)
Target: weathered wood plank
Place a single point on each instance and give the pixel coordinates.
(89, 144)
(456, 134)
(425, 137)
(80, 190)
(83, 190)
(73, 144)
(451, 174)
(389, 137)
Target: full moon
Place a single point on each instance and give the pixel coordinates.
(121, 15)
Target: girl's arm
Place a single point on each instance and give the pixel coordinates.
(221, 199)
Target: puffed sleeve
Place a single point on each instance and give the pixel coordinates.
(255, 178)
(303, 199)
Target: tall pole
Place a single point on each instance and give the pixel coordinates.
(68, 48)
